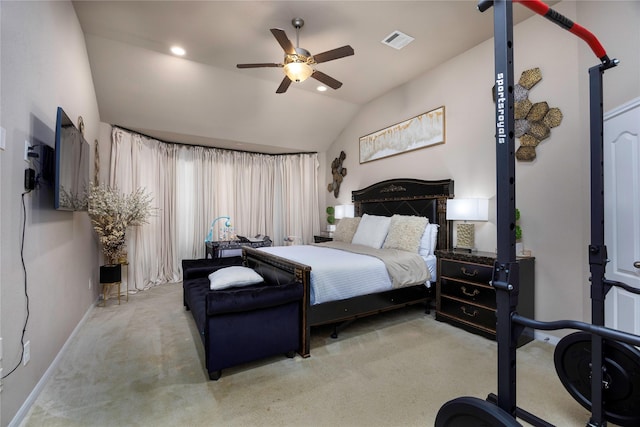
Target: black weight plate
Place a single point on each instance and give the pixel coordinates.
(471, 411)
(621, 396)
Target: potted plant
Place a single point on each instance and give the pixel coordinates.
(111, 213)
(518, 230)
(331, 219)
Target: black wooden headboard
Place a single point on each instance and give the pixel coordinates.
(406, 196)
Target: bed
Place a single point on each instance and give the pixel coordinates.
(406, 197)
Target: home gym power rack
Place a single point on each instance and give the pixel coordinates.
(605, 378)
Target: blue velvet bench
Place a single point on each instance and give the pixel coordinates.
(240, 325)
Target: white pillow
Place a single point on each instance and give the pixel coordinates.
(372, 231)
(429, 240)
(405, 233)
(434, 238)
(229, 277)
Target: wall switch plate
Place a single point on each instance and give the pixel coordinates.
(27, 146)
(26, 355)
(3, 138)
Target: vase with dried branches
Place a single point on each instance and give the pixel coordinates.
(112, 212)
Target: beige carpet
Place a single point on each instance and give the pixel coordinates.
(141, 364)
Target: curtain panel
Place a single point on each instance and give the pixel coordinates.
(275, 195)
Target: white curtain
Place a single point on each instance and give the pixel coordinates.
(275, 195)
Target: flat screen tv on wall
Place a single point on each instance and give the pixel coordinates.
(71, 173)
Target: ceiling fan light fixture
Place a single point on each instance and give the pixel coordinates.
(298, 71)
(299, 64)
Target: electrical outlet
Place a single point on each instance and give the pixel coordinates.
(27, 147)
(26, 355)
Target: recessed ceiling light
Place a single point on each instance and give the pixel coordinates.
(177, 50)
(321, 88)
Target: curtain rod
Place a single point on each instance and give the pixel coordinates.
(206, 146)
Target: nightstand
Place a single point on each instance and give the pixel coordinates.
(322, 237)
(466, 299)
(216, 249)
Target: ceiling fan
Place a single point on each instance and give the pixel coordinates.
(298, 63)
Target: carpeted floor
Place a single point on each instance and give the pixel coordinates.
(141, 364)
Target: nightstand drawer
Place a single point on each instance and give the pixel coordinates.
(469, 313)
(466, 299)
(467, 291)
(466, 271)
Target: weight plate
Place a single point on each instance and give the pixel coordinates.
(471, 411)
(621, 378)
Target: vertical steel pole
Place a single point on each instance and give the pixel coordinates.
(505, 274)
(597, 248)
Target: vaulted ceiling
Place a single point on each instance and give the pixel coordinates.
(202, 98)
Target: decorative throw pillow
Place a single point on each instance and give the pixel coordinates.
(429, 240)
(405, 233)
(434, 238)
(345, 229)
(234, 276)
(372, 231)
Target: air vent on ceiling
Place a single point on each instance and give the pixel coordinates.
(397, 40)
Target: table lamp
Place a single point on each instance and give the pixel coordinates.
(467, 210)
(344, 211)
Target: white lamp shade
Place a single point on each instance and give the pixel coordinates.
(344, 211)
(468, 209)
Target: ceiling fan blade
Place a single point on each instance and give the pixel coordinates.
(284, 41)
(258, 65)
(337, 53)
(328, 80)
(284, 85)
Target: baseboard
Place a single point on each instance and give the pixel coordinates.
(29, 401)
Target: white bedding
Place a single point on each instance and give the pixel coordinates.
(337, 274)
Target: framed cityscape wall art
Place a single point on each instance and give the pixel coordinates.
(421, 131)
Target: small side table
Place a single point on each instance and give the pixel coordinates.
(323, 237)
(110, 277)
(107, 289)
(215, 249)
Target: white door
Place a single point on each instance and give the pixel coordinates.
(622, 214)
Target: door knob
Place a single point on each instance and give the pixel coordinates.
(636, 264)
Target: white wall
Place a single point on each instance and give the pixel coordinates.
(44, 65)
(553, 190)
